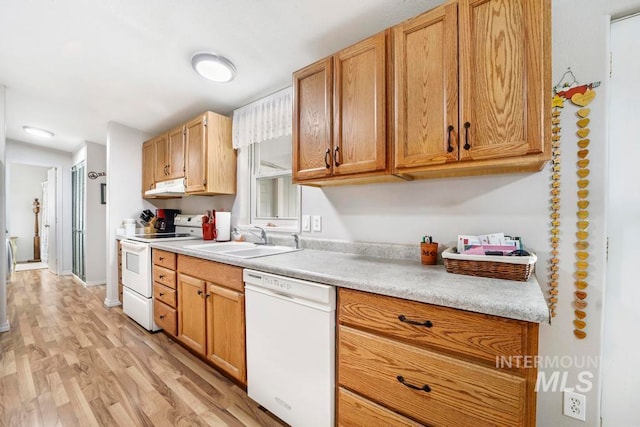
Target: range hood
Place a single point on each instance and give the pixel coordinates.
(173, 188)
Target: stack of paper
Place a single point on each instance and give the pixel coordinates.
(495, 242)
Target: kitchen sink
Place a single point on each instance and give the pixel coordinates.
(221, 247)
(241, 249)
(258, 251)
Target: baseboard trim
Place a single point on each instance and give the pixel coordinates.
(111, 303)
(95, 282)
(5, 326)
(67, 273)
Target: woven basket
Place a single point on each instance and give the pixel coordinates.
(508, 268)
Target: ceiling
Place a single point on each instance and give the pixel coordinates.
(72, 66)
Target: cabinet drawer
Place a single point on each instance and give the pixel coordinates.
(461, 393)
(356, 411)
(465, 333)
(165, 276)
(165, 294)
(164, 258)
(165, 317)
(211, 271)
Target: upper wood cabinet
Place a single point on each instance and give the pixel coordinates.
(148, 166)
(175, 152)
(467, 94)
(161, 163)
(472, 88)
(340, 114)
(210, 160)
(426, 88)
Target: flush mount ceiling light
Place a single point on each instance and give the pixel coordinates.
(213, 67)
(42, 133)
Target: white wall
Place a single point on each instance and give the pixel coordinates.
(124, 185)
(24, 184)
(95, 158)
(621, 371)
(96, 220)
(21, 152)
(4, 321)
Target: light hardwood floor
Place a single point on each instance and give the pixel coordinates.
(68, 361)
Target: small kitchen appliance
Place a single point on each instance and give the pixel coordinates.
(165, 222)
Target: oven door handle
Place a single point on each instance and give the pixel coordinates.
(134, 246)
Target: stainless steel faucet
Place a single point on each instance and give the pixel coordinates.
(262, 236)
(296, 241)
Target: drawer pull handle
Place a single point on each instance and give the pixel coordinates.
(426, 323)
(402, 381)
(161, 258)
(161, 276)
(162, 316)
(200, 292)
(327, 155)
(161, 293)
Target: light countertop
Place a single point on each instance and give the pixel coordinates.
(403, 279)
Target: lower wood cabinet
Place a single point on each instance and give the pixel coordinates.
(226, 330)
(408, 363)
(191, 312)
(211, 317)
(164, 291)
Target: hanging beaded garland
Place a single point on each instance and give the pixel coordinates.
(580, 96)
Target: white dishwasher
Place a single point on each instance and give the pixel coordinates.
(291, 347)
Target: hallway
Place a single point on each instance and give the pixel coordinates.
(69, 361)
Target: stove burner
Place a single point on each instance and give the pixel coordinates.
(162, 235)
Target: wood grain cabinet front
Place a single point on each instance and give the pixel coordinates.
(431, 365)
(210, 160)
(340, 115)
(472, 83)
(211, 316)
(164, 259)
(165, 296)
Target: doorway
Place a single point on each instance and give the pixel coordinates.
(621, 351)
(31, 193)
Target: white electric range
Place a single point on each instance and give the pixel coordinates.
(137, 294)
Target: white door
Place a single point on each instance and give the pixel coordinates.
(50, 222)
(621, 348)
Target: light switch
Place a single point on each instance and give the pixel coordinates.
(306, 222)
(316, 224)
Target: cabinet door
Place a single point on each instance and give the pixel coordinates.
(502, 70)
(226, 330)
(312, 121)
(426, 89)
(148, 166)
(195, 155)
(175, 153)
(161, 147)
(360, 107)
(191, 312)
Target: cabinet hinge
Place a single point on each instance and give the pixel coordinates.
(204, 122)
(606, 256)
(204, 182)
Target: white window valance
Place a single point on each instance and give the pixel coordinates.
(265, 119)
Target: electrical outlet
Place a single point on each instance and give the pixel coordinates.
(575, 405)
(316, 223)
(306, 223)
